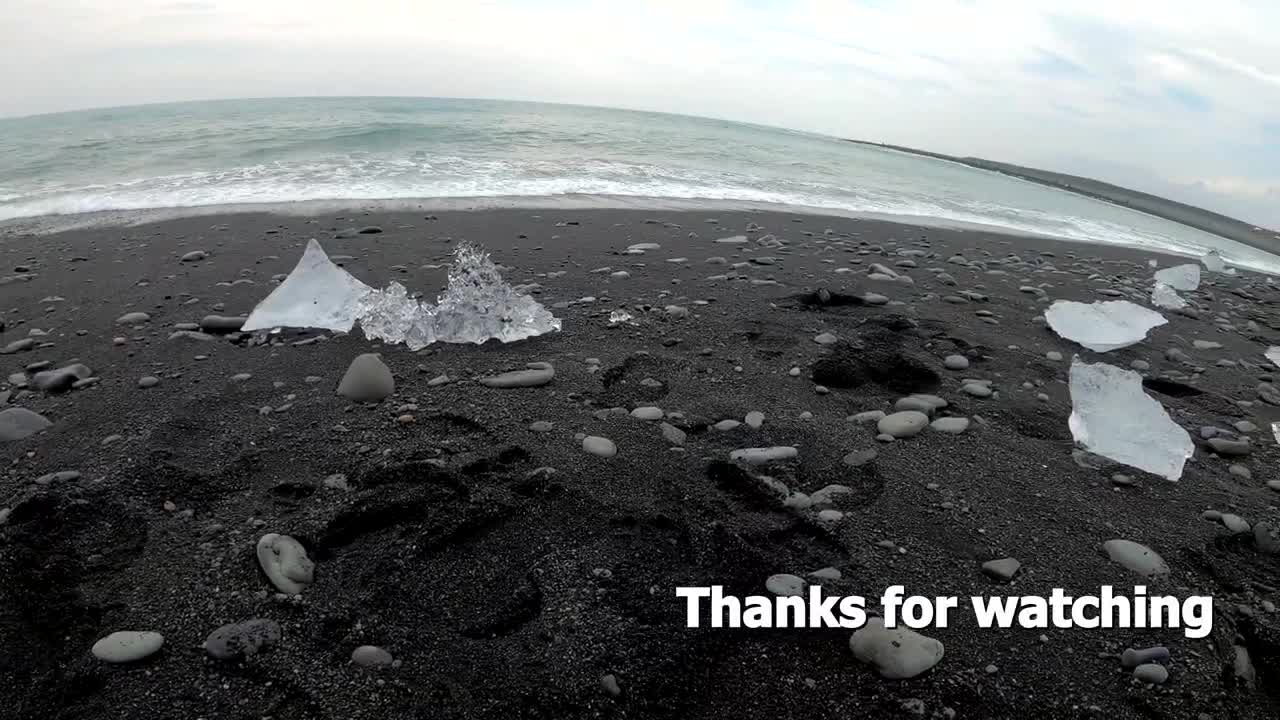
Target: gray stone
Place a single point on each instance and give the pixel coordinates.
(194, 256)
(599, 446)
(647, 413)
(1003, 569)
(221, 324)
(1151, 673)
(371, 656)
(609, 683)
(18, 346)
(126, 646)
(763, 456)
(826, 339)
(976, 390)
(1234, 523)
(133, 318)
(58, 477)
(858, 458)
(907, 423)
(955, 362)
(285, 563)
(785, 585)
(148, 381)
(18, 423)
(1230, 448)
(538, 373)
(1132, 658)
(1267, 538)
(1138, 558)
(755, 419)
(673, 434)
(62, 379)
(1269, 393)
(898, 654)
(951, 425)
(243, 639)
(368, 379)
(914, 403)
(868, 417)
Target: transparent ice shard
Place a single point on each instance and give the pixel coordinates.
(1180, 277)
(1164, 296)
(316, 294)
(393, 317)
(1102, 326)
(619, 316)
(1113, 417)
(1213, 262)
(479, 305)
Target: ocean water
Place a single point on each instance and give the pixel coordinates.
(299, 149)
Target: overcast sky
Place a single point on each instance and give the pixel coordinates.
(1180, 97)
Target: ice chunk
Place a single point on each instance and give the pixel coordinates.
(1180, 277)
(479, 305)
(1113, 417)
(1213, 262)
(619, 316)
(1164, 296)
(1273, 354)
(1102, 326)
(393, 317)
(316, 294)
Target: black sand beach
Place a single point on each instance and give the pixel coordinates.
(509, 572)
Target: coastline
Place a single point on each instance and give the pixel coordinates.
(511, 572)
(1154, 205)
(53, 224)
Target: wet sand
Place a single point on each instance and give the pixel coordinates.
(508, 571)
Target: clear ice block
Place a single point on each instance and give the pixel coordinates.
(1102, 326)
(316, 294)
(1113, 417)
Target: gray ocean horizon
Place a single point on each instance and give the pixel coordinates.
(151, 161)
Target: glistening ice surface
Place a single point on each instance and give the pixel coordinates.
(1102, 326)
(1113, 417)
(477, 305)
(316, 294)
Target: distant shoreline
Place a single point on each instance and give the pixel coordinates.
(1164, 208)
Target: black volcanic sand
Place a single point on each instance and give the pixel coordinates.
(509, 591)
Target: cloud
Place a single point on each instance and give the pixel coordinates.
(1188, 98)
(1182, 89)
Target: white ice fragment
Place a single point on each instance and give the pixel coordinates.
(393, 317)
(1102, 326)
(1180, 277)
(316, 294)
(1273, 354)
(619, 316)
(479, 305)
(1213, 262)
(1113, 417)
(1164, 296)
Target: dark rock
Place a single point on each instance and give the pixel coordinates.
(244, 639)
(219, 324)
